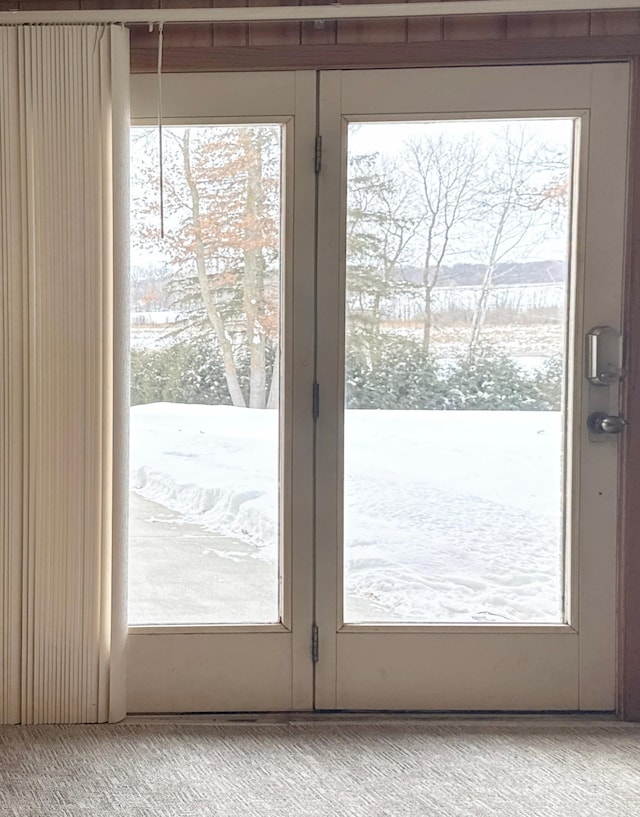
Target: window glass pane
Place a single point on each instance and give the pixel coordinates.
(457, 300)
(205, 306)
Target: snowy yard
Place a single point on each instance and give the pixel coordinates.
(449, 516)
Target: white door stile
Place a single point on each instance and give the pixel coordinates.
(599, 460)
(302, 354)
(329, 426)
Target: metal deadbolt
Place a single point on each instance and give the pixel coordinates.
(601, 423)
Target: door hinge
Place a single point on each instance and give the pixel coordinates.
(314, 643)
(315, 400)
(318, 154)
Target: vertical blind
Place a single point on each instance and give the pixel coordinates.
(63, 256)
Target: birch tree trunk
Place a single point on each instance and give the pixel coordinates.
(254, 269)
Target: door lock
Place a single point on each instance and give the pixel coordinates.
(601, 423)
(603, 356)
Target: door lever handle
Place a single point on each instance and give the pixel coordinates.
(601, 423)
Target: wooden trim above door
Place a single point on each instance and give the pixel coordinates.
(441, 53)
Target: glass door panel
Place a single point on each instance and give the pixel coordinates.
(458, 282)
(205, 386)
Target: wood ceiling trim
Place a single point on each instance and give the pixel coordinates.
(443, 53)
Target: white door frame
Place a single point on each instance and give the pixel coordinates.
(180, 669)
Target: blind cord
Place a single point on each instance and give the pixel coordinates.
(160, 153)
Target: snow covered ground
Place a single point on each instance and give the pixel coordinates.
(449, 516)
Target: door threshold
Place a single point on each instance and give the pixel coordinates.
(363, 716)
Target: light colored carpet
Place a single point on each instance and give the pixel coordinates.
(434, 768)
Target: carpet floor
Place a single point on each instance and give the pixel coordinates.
(345, 769)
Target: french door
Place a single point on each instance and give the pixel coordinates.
(222, 487)
(394, 482)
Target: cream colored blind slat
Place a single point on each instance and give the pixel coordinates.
(11, 389)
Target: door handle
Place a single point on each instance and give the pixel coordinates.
(601, 423)
(603, 356)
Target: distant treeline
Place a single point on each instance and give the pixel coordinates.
(527, 272)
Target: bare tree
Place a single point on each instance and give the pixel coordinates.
(440, 176)
(380, 226)
(222, 213)
(518, 208)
